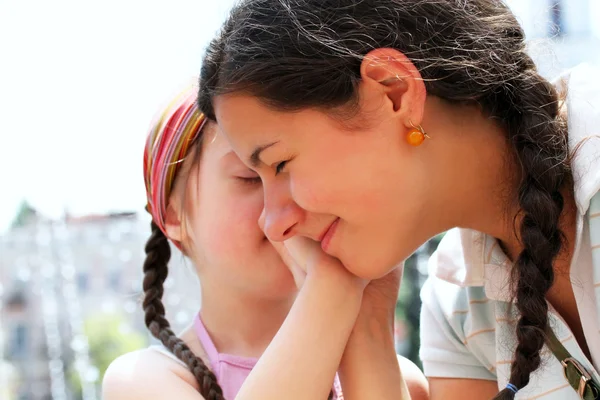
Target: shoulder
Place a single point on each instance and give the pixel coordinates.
(414, 378)
(582, 87)
(458, 319)
(454, 293)
(147, 374)
(459, 258)
(456, 273)
(460, 310)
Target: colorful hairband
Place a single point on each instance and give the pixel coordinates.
(168, 142)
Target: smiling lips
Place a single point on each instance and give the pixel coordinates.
(328, 234)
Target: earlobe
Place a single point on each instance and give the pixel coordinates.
(173, 223)
(391, 72)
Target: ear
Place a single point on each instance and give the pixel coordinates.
(391, 74)
(173, 220)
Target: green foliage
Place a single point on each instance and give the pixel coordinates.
(109, 336)
(25, 214)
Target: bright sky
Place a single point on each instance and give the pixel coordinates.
(79, 83)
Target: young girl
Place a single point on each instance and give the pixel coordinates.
(377, 124)
(207, 203)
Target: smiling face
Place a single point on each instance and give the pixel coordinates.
(222, 200)
(366, 183)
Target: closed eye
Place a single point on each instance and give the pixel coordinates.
(280, 166)
(250, 180)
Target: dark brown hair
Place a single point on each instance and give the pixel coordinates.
(293, 54)
(158, 254)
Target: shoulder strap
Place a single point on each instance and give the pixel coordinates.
(575, 373)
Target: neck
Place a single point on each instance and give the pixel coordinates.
(480, 191)
(240, 323)
(477, 192)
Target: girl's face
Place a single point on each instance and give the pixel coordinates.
(222, 202)
(360, 193)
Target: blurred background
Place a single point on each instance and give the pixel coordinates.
(79, 83)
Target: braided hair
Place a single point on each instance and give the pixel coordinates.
(174, 135)
(295, 54)
(158, 253)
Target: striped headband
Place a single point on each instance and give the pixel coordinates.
(168, 142)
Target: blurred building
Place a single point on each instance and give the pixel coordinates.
(97, 260)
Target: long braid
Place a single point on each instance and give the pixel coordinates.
(539, 140)
(298, 54)
(158, 253)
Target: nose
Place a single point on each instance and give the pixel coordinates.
(280, 214)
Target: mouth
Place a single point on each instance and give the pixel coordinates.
(327, 235)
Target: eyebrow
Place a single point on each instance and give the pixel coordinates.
(255, 156)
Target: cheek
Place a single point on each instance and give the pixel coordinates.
(323, 180)
(345, 187)
(231, 232)
(311, 194)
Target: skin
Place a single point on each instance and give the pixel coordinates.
(247, 290)
(214, 216)
(387, 196)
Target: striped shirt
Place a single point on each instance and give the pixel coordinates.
(467, 324)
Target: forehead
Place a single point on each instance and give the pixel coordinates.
(218, 153)
(213, 141)
(249, 124)
(246, 120)
(243, 115)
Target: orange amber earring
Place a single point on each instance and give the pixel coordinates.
(416, 136)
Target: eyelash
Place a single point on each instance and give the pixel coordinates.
(250, 181)
(280, 166)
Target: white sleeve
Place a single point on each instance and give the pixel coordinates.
(444, 351)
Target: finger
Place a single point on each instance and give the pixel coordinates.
(284, 254)
(297, 272)
(301, 249)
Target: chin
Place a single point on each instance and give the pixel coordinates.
(370, 268)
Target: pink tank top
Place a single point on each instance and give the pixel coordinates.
(231, 371)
